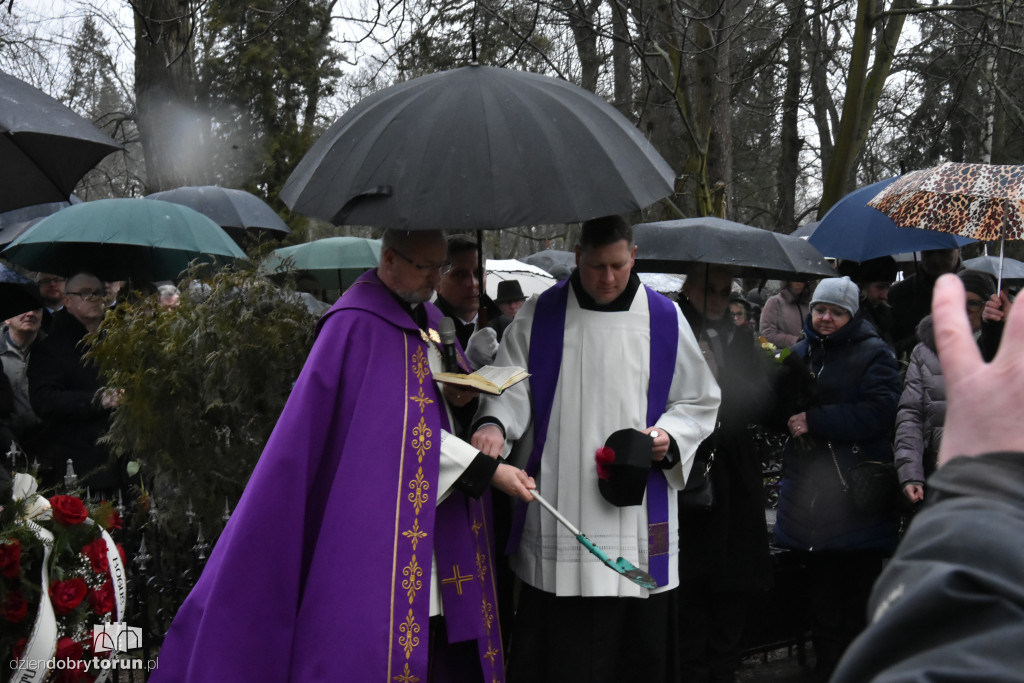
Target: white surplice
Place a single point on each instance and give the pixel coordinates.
(602, 387)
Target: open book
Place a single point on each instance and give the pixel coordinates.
(490, 379)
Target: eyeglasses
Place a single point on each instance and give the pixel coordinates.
(836, 313)
(975, 305)
(50, 281)
(91, 295)
(443, 268)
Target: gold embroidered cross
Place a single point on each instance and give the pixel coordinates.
(406, 676)
(415, 534)
(477, 525)
(490, 653)
(457, 578)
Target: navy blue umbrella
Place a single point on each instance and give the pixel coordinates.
(853, 230)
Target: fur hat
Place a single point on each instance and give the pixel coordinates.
(838, 291)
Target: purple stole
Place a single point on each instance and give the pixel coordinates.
(457, 530)
(545, 362)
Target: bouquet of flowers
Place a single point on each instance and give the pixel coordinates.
(60, 574)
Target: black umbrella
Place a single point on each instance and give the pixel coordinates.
(557, 262)
(13, 223)
(237, 211)
(673, 246)
(18, 294)
(45, 148)
(478, 148)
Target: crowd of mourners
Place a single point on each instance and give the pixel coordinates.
(845, 367)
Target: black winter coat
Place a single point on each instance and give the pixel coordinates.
(63, 388)
(727, 546)
(857, 388)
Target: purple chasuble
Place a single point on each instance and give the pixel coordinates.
(545, 362)
(323, 571)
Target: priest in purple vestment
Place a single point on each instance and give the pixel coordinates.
(361, 548)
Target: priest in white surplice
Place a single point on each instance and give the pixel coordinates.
(605, 353)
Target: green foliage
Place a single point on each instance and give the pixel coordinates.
(203, 385)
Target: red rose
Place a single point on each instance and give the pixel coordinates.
(10, 559)
(73, 669)
(102, 598)
(96, 551)
(604, 457)
(68, 510)
(67, 595)
(15, 607)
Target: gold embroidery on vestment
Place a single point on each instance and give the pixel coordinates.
(421, 434)
(657, 539)
(488, 615)
(420, 366)
(481, 565)
(406, 676)
(412, 583)
(409, 641)
(457, 578)
(414, 535)
(422, 399)
(419, 495)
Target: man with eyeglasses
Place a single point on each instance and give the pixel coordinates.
(458, 295)
(63, 389)
(378, 516)
(51, 290)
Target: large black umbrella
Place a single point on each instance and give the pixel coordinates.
(45, 148)
(478, 148)
(237, 211)
(557, 262)
(18, 294)
(674, 246)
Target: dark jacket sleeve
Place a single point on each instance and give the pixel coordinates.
(950, 604)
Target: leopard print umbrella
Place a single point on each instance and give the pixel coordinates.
(981, 201)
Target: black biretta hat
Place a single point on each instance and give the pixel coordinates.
(623, 465)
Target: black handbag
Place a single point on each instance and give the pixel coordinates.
(872, 486)
(698, 494)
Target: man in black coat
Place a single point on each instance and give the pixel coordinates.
(458, 295)
(64, 390)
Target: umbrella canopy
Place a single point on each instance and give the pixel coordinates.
(17, 221)
(558, 263)
(478, 148)
(532, 280)
(45, 148)
(18, 294)
(1012, 269)
(120, 239)
(853, 230)
(980, 201)
(335, 262)
(673, 246)
(237, 211)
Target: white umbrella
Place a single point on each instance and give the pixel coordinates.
(532, 279)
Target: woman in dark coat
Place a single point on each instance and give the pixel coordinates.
(723, 550)
(849, 420)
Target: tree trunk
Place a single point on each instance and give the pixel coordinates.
(169, 123)
(789, 157)
(622, 68)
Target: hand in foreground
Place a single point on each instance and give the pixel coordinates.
(513, 481)
(996, 308)
(914, 492)
(798, 424)
(482, 347)
(459, 396)
(985, 402)
(659, 449)
(489, 440)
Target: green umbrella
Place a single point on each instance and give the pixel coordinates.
(335, 262)
(120, 239)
